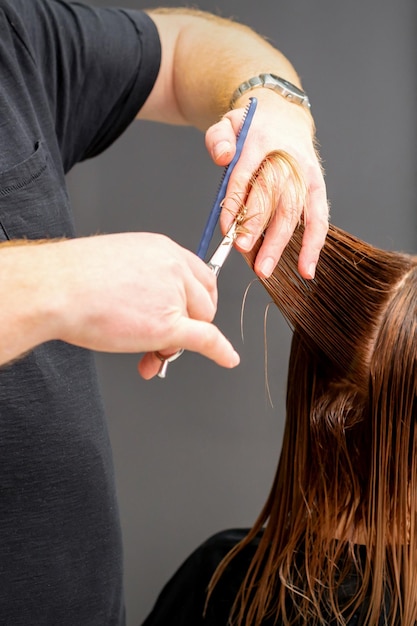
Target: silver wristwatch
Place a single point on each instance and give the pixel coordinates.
(278, 84)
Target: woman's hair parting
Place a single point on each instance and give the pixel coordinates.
(339, 525)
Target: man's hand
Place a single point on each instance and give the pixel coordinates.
(277, 125)
(181, 97)
(133, 292)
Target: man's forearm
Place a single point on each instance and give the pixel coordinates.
(27, 298)
(204, 59)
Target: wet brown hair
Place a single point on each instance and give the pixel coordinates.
(347, 473)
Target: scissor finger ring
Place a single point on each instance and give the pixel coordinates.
(165, 360)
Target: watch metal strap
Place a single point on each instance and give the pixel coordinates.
(270, 81)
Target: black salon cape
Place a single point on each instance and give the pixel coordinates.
(182, 600)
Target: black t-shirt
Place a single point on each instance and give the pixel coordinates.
(71, 79)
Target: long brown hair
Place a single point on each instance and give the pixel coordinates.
(347, 473)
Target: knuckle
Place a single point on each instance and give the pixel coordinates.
(208, 312)
(207, 316)
(318, 227)
(290, 212)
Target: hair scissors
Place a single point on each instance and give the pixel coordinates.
(223, 249)
(215, 263)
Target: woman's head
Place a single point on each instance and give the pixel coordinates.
(348, 468)
(347, 473)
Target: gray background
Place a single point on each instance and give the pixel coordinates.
(196, 453)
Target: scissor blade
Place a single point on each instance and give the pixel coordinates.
(223, 250)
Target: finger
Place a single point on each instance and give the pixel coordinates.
(221, 141)
(195, 336)
(277, 236)
(218, 139)
(148, 367)
(206, 339)
(201, 303)
(150, 364)
(236, 199)
(260, 204)
(203, 275)
(316, 227)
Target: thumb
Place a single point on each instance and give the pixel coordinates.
(196, 336)
(221, 141)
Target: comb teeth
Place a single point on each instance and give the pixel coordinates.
(216, 208)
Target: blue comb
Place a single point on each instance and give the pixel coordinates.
(216, 209)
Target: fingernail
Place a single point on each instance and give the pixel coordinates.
(245, 242)
(222, 148)
(311, 270)
(235, 360)
(267, 266)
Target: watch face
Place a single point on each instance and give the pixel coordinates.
(287, 89)
(291, 88)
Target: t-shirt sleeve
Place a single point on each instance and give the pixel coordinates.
(97, 66)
